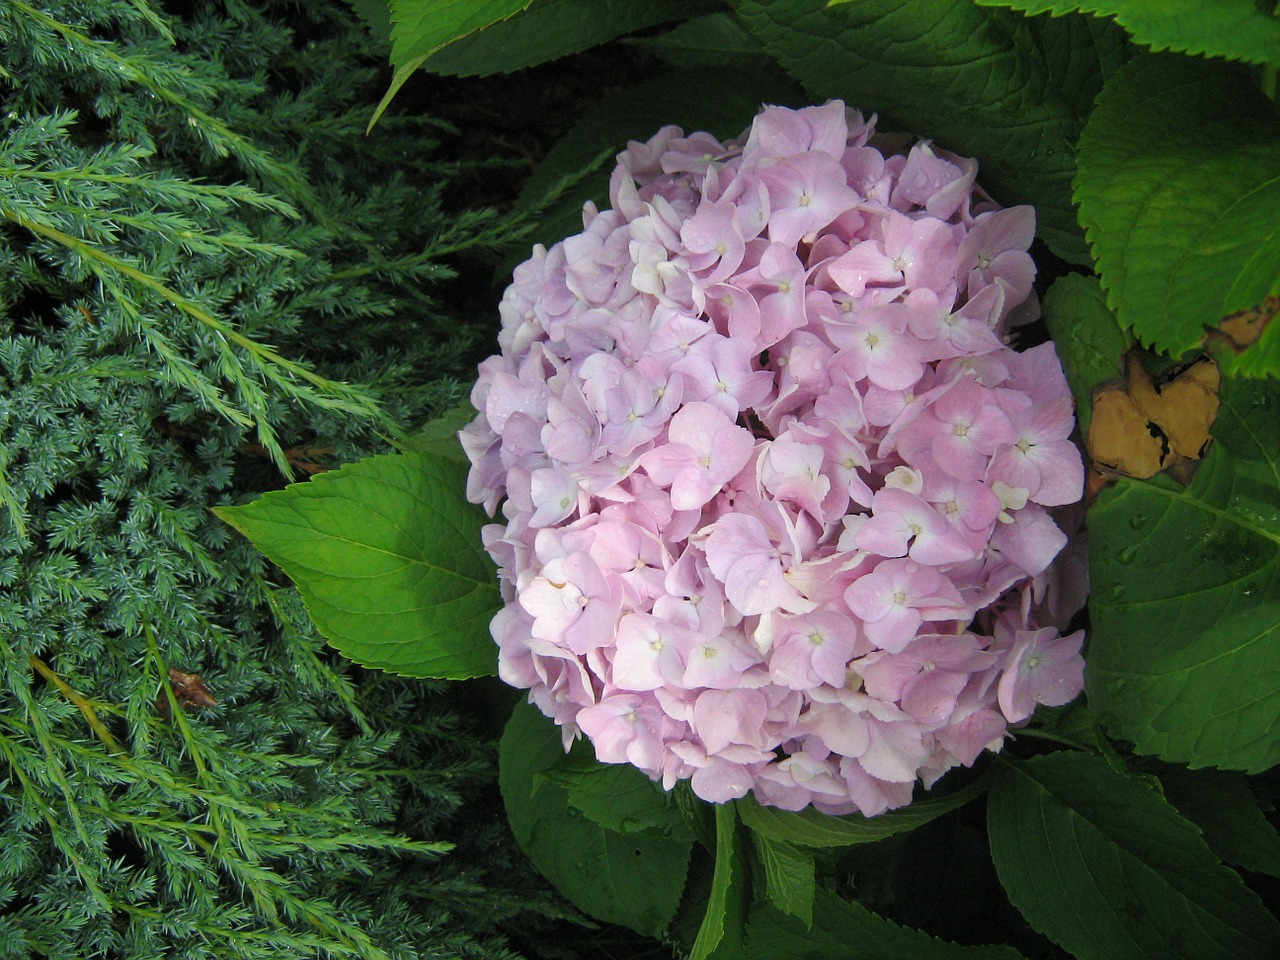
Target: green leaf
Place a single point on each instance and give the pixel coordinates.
(1101, 865)
(1235, 29)
(720, 935)
(698, 814)
(721, 102)
(366, 546)
(1186, 598)
(618, 797)
(1179, 194)
(421, 27)
(548, 29)
(376, 15)
(789, 876)
(1262, 357)
(439, 436)
(849, 931)
(635, 881)
(1226, 810)
(810, 828)
(1088, 339)
(990, 84)
(715, 40)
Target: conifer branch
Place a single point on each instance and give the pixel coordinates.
(83, 705)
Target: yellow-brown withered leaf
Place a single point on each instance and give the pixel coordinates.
(1243, 328)
(1140, 428)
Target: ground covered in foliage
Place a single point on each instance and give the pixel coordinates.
(213, 281)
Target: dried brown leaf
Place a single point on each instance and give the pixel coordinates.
(189, 691)
(1141, 428)
(1242, 329)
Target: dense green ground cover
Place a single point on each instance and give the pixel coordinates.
(212, 281)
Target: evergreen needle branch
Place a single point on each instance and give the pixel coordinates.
(172, 189)
(303, 944)
(277, 368)
(340, 687)
(154, 19)
(35, 796)
(175, 709)
(220, 137)
(84, 706)
(163, 263)
(10, 500)
(53, 762)
(260, 352)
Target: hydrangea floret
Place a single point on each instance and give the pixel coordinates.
(782, 506)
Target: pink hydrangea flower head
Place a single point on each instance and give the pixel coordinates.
(782, 509)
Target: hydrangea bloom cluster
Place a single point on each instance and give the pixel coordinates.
(777, 492)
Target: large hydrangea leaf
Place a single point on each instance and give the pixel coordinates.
(1235, 29)
(553, 28)
(387, 556)
(419, 28)
(842, 930)
(1089, 341)
(713, 41)
(1227, 810)
(630, 879)
(790, 876)
(811, 828)
(720, 933)
(1183, 656)
(1102, 865)
(1179, 193)
(987, 83)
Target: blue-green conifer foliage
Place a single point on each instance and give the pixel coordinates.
(210, 278)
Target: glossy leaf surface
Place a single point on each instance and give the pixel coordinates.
(387, 556)
(1102, 865)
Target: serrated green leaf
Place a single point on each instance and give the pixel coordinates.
(439, 436)
(387, 556)
(790, 878)
(419, 28)
(721, 102)
(1235, 29)
(1221, 804)
(548, 29)
(1088, 339)
(1101, 865)
(715, 40)
(1259, 359)
(634, 881)
(1179, 194)
(376, 15)
(720, 935)
(618, 797)
(1184, 655)
(422, 27)
(698, 815)
(811, 828)
(849, 931)
(986, 83)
